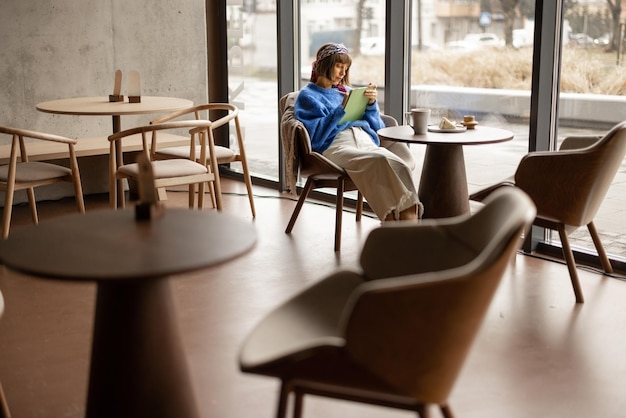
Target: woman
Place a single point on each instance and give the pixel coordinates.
(384, 178)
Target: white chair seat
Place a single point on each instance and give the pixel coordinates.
(166, 169)
(35, 171)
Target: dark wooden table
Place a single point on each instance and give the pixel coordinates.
(443, 184)
(138, 367)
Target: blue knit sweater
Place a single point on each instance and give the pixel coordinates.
(319, 109)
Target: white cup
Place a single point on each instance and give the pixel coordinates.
(418, 120)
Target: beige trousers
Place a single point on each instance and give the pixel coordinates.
(384, 179)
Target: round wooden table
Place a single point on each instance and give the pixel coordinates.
(101, 106)
(443, 184)
(138, 367)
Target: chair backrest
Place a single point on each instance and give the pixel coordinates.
(19, 147)
(569, 185)
(149, 141)
(296, 143)
(414, 332)
(219, 113)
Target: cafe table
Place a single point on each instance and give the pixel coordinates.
(101, 106)
(443, 184)
(138, 367)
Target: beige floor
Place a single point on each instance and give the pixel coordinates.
(538, 355)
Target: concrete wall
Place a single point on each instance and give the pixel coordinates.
(68, 48)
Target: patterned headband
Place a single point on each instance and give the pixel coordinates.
(332, 49)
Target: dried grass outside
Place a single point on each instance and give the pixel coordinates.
(584, 71)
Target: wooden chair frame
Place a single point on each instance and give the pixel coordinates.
(23, 174)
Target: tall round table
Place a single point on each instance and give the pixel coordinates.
(138, 368)
(101, 106)
(443, 184)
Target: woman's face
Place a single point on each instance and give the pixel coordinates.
(339, 72)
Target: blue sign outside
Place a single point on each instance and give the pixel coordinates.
(485, 19)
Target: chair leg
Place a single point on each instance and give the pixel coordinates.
(192, 195)
(359, 207)
(78, 187)
(339, 213)
(571, 264)
(298, 403)
(6, 213)
(201, 187)
(606, 264)
(246, 177)
(282, 400)
(32, 203)
(423, 411)
(4, 406)
(446, 411)
(161, 194)
(211, 189)
(303, 195)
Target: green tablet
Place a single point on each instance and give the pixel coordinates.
(354, 105)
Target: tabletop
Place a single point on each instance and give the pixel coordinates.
(101, 105)
(112, 245)
(477, 136)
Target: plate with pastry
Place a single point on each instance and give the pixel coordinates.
(447, 126)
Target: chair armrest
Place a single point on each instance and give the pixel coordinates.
(309, 319)
(37, 135)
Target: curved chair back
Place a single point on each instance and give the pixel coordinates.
(22, 174)
(414, 332)
(221, 114)
(569, 185)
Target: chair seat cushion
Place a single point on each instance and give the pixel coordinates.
(35, 171)
(166, 168)
(223, 154)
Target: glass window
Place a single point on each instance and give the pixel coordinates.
(359, 25)
(592, 102)
(252, 81)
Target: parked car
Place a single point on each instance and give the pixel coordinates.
(581, 40)
(474, 41)
(602, 40)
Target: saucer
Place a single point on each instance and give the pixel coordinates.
(436, 128)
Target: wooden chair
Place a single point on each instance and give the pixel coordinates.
(319, 171)
(170, 172)
(215, 154)
(397, 333)
(568, 187)
(22, 174)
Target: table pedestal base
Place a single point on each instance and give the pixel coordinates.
(138, 368)
(443, 185)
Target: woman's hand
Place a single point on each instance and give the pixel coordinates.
(371, 93)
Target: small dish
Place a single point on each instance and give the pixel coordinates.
(436, 128)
